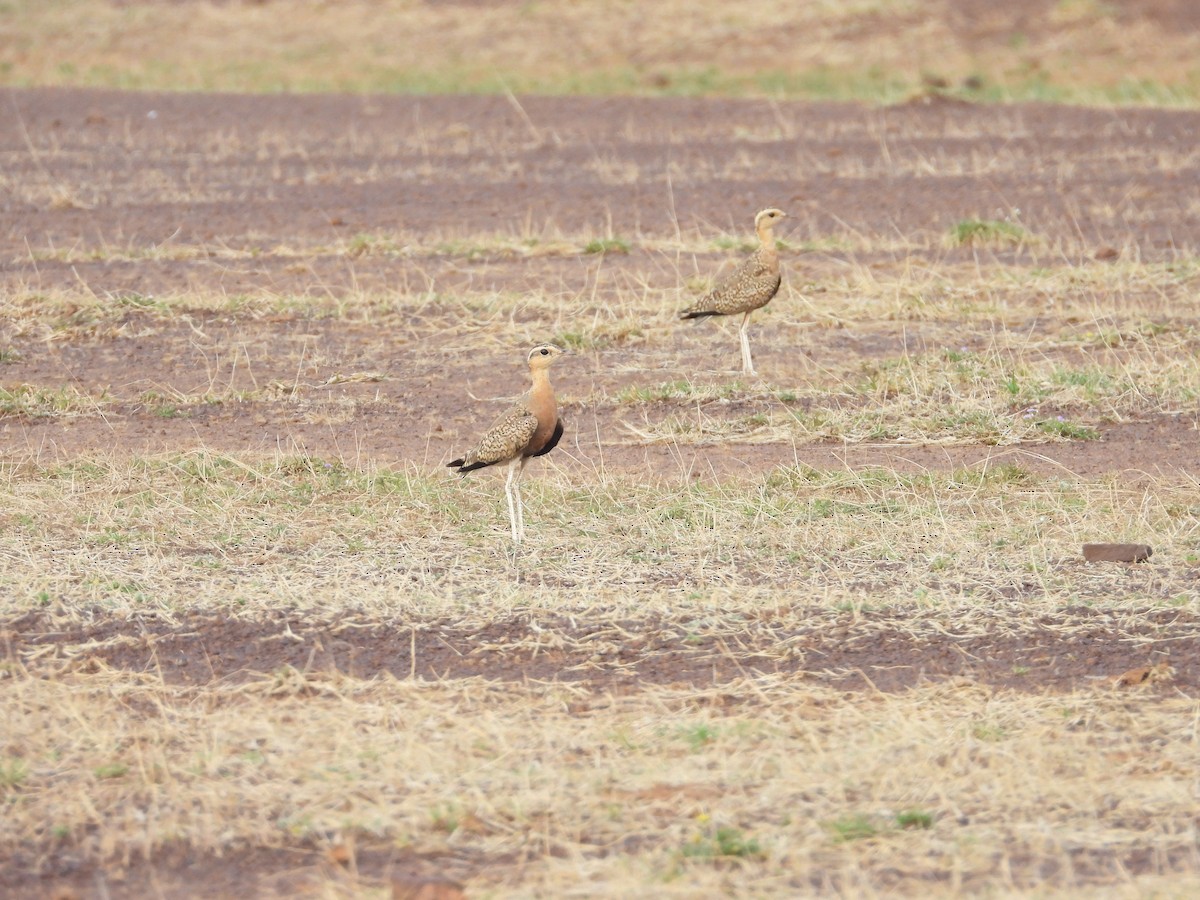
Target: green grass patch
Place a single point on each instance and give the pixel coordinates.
(682, 389)
(606, 245)
(970, 232)
(13, 772)
(722, 843)
(914, 819)
(1071, 431)
(851, 828)
(28, 401)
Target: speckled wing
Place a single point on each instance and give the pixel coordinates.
(748, 287)
(507, 437)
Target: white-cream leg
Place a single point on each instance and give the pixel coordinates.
(510, 488)
(520, 501)
(747, 363)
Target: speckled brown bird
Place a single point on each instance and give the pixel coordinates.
(749, 287)
(531, 427)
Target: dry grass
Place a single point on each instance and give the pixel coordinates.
(958, 354)
(763, 787)
(1012, 391)
(766, 785)
(882, 49)
(203, 531)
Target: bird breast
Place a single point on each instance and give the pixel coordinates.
(542, 405)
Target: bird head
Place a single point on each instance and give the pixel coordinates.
(543, 356)
(768, 219)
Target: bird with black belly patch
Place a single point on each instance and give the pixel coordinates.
(531, 427)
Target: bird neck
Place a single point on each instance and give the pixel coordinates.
(541, 382)
(541, 400)
(766, 237)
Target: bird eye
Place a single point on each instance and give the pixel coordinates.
(545, 352)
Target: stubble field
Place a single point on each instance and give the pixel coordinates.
(827, 631)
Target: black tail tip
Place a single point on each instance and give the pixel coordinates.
(696, 313)
(463, 469)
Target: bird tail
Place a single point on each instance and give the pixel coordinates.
(464, 467)
(696, 312)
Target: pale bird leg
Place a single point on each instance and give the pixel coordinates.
(531, 427)
(747, 363)
(510, 488)
(520, 501)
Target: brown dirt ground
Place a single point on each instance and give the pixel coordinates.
(120, 173)
(307, 870)
(887, 652)
(268, 175)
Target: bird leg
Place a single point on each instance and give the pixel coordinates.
(747, 364)
(520, 501)
(511, 488)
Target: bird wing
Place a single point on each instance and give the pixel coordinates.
(749, 286)
(752, 283)
(505, 439)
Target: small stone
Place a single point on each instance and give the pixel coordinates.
(426, 889)
(1129, 553)
(339, 855)
(1160, 671)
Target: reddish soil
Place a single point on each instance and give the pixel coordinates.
(287, 178)
(277, 176)
(265, 171)
(889, 652)
(296, 871)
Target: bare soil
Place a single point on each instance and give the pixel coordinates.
(305, 870)
(123, 181)
(887, 652)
